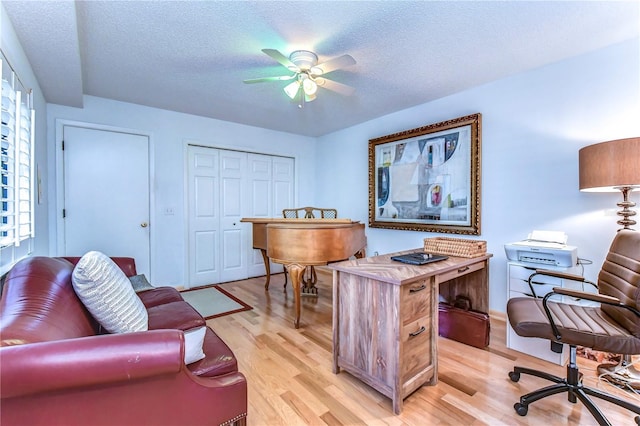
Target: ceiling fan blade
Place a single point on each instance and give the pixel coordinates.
(333, 64)
(263, 79)
(275, 54)
(334, 86)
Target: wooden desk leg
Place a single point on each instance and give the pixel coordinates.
(336, 320)
(296, 272)
(267, 268)
(434, 331)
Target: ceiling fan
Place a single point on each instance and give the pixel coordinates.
(308, 74)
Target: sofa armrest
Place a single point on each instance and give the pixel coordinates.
(88, 361)
(125, 379)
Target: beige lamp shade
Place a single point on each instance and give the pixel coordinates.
(609, 166)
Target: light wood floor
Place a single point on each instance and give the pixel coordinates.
(290, 381)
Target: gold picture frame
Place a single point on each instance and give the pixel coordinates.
(427, 179)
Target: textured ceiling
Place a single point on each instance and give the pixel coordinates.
(191, 56)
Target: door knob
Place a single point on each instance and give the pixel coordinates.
(144, 224)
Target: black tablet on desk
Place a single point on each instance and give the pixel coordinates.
(419, 258)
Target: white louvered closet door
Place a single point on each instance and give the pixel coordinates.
(223, 187)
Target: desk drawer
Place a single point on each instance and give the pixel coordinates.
(523, 274)
(415, 300)
(542, 284)
(464, 270)
(417, 352)
(521, 286)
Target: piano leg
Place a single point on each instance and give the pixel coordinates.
(309, 286)
(296, 272)
(267, 268)
(309, 283)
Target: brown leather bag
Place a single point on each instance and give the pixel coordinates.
(460, 323)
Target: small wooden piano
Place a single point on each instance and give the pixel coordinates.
(298, 243)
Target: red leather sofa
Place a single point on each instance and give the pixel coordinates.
(58, 368)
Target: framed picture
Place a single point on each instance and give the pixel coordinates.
(427, 179)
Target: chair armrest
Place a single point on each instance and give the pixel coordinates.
(596, 297)
(559, 274)
(89, 361)
(602, 298)
(556, 274)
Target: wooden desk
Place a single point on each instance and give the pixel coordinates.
(385, 317)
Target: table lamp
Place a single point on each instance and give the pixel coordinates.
(612, 166)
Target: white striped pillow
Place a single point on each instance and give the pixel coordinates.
(107, 293)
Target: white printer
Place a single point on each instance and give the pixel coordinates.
(543, 248)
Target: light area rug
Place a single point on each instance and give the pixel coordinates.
(213, 301)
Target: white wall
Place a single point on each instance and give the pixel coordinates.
(533, 125)
(169, 133)
(16, 57)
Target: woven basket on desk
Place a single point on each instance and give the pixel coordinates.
(459, 247)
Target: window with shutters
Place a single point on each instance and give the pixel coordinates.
(16, 160)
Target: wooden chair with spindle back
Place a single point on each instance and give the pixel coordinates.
(309, 213)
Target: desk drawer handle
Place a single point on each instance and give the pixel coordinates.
(461, 270)
(415, 333)
(417, 289)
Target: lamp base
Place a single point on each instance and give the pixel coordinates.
(624, 374)
(626, 212)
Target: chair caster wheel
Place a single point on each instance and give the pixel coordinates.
(521, 409)
(514, 376)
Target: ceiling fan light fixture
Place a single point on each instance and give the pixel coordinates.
(310, 87)
(291, 89)
(316, 71)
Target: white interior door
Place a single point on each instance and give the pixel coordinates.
(106, 194)
(224, 186)
(233, 167)
(283, 184)
(204, 220)
(270, 190)
(260, 176)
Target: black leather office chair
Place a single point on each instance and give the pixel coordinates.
(614, 326)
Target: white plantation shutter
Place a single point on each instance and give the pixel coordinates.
(24, 175)
(7, 161)
(16, 162)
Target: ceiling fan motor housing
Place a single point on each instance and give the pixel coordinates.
(303, 59)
